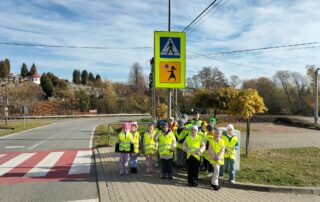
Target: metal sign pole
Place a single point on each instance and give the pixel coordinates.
(316, 112)
(169, 90)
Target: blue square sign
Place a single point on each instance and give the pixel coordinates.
(169, 47)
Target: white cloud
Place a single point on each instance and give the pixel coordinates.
(232, 25)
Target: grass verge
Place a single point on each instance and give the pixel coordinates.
(15, 127)
(289, 167)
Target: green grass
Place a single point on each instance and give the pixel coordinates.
(15, 127)
(290, 167)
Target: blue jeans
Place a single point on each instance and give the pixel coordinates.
(133, 160)
(229, 166)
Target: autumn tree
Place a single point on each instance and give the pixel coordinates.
(4, 69)
(76, 77)
(246, 103)
(83, 101)
(234, 81)
(24, 70)
(8, 64)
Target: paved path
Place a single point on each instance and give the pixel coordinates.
(269, 136)
(148, 187)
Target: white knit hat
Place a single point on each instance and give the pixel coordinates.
(230, 127)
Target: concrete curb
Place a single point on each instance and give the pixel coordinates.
(266, 188)
(101, 179)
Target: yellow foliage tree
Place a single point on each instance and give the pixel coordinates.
(246, 103)
(161, 111)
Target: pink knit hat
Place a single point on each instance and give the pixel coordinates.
(126, 125)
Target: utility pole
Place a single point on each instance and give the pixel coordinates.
(6, 113)
(169, 90)
(316, 111)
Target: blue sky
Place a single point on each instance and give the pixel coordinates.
(232, 25)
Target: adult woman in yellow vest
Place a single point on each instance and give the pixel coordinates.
(149, 146)
(134, 155)
(193, 146)
(167, 145)
(231, 143)
(181, 133)
(124, 140)
(206, 158)
(216, 151)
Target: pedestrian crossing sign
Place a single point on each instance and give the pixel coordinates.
(170, 59)
(170, 47)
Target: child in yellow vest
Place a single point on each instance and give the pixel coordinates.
(231, 144)
(124, 140)
(136, 140)
(149, 146)
(206, 158)
(216, 151)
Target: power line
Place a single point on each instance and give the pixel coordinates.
(199, 16)
(202, 19)
(75, 47)
(264, 48)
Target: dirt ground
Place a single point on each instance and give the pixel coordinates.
(269, 135)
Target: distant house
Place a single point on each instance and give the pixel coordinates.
(35, 78)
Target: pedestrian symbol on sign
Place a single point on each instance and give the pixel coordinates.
(169, 47)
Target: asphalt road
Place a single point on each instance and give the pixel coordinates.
(62, 137)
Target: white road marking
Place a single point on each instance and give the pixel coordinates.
(2, 155)
(7, 166)
(44, 166)
(86, 200)
(34, 146)
(82, 163)
(14, 146)
(91, 138)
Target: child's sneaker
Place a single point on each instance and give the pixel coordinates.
(232, 181)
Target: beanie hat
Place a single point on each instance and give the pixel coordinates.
(134, 123)
(210, 128)
(181, 123)
(213, 120)
(126, 125)
(230, 127)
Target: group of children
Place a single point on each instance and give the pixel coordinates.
(193, 144)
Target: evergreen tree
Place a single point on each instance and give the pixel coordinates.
(24, 70)
(98, 81)
(8, 64)
(83, 101)
(46, 85)
(84, 77)
(76, 76)
(32, 70)
(4, 71)
(91, 77)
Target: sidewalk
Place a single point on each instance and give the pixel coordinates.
(149, 187)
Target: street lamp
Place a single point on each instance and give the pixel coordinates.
(316, 115)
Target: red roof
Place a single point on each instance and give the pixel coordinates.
(35, 74)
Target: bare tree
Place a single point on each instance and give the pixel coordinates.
(234, 81)
(136, 78)
(284, 78)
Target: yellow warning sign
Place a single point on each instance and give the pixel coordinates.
(170, 72)
(170, 59)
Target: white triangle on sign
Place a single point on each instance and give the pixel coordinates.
(170, 49)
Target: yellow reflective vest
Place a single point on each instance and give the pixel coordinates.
(229, 144)
(165, 144)
(216, 148)
(124, 141)
(179, 137)
(149, 143)
(136, 138)
(193, 146)
(207, 138)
